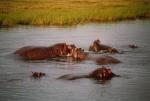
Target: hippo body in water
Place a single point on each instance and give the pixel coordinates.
(101, 73)
(104, 60)
(57, 50)
(98, 47)
(40, 53)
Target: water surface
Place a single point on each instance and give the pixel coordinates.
(133, 85)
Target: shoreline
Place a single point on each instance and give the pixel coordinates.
(72, 25)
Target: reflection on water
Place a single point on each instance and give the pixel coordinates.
(134, 83)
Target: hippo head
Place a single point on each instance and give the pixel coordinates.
(102, 73)
(63, 49)
(70, 49)
(38, 74)
(77, 54)
(133, 46)
(97, 41)
(95, 46)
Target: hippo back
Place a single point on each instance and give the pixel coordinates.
(34, 53)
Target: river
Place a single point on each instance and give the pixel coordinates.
(16, 83)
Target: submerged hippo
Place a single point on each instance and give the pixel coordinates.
(57, 50)
(101, 73)
(38, 74)
(132, 46)
(104, 60)
(97, 47)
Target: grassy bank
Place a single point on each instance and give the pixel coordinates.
(70, 12)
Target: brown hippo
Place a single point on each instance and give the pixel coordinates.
(97, 47)
(38, 74)
(101, 73)
(40, 53)
(107, 60)
(133, 46)
(78, 54)
(57, 50)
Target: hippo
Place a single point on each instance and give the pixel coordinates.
(132, 46)
(40, 53)
(98, 47)
(38, 74)
(56, 50)
(101, 73)
(104, 60)
(78, 54)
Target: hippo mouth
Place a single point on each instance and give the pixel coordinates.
(76, 53)
(68, 55)
(70, 52)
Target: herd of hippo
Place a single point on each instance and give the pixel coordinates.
(63, 50)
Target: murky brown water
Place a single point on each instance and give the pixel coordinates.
(133, 85)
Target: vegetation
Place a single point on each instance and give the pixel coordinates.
(70, 12)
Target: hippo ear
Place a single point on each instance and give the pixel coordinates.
(98, 41)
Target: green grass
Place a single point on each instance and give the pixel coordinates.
(70, 12)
